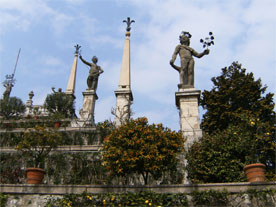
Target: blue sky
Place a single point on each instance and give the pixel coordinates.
(47, 30)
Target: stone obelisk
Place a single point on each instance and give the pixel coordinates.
(70, 90)
(123, 94)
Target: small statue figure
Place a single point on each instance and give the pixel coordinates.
(54, 91)
(31, 95)
(186, 53)
(94, 73)
(7, 92)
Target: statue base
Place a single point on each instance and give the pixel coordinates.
(88, 107)
(124, 99)
(182, 87)
(186, 100)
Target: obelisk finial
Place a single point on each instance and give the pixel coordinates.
(128, 22)
(77, 48)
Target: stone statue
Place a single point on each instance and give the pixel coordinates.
(54, 91)
(94, 73)
(7, 92)
(186, 53)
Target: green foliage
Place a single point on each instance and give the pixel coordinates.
(210, 198)
(37, 144)
(75, 168)
(11, 173)
(60, 105)
(12, 138)
(138, 147)
(235, 92)
(11, 107)
(60, 167)
(262, 198)
(142, 199)
(105, 128)
(220, 157)
(206, 198)
(3, 199)
(30, 123)
(239, 127)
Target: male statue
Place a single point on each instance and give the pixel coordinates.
(94, 73)
(186, 53)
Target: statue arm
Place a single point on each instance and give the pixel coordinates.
(85, 62)
(100, 70)
(199, 55)
(176, 51)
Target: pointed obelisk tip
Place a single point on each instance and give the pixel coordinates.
(128, 22)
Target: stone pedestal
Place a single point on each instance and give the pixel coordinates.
(186, 100)
(88, 108)
(29, 104)
(124, 99)
(29, 107)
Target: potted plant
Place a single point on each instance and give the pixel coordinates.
(60, 106)
(255, 170)
(57, 117)
(36, 145)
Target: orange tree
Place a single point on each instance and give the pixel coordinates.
(138, 147)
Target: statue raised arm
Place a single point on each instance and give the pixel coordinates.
(186, 53)
(94, 73)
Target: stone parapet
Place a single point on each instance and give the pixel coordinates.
(96, 189)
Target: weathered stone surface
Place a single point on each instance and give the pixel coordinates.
(187, 103)
(88, 107)
(123, 101)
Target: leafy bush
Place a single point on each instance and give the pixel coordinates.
(138, 147)
(37, 143)
(143, 199)
(11, 173)
(221, 156)
(11, 107)
(60, 105)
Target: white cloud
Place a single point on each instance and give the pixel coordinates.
(50, 61)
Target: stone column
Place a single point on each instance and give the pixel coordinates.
(70, 90)
(124, 95)
(123, 101)
(186, 100)
(88, 108)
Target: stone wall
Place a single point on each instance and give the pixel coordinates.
(37, 195)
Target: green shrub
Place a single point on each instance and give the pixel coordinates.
(11, 107)
(60, 105)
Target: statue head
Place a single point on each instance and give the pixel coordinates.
(185, 38)
(94, 59)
